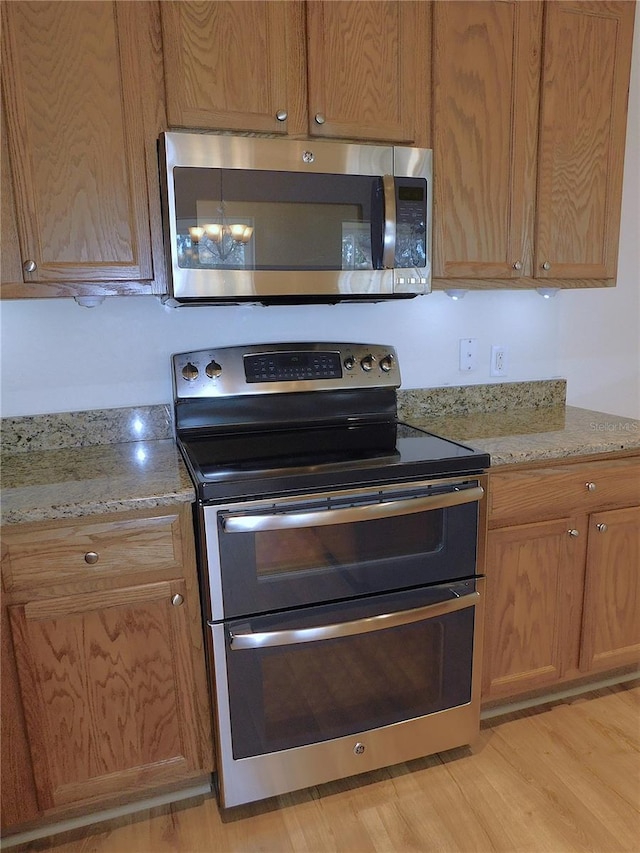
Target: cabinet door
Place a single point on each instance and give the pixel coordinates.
(108, 690)
(485, 111)
(534, 595)
(75, 83)
(234, 66)
(18, 790)
(11, 267)
(585, 85)
(611, 626)
(369, 70)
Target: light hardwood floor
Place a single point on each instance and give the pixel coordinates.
(561, 777)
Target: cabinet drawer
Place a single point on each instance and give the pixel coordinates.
(37, 554)
(549, 492)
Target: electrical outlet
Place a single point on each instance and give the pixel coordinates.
(468, 354)
(498, 360)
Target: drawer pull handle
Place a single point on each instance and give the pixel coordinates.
(177, 600)
(91, 557)
(591, 487)
(602, 527)
(573, 532)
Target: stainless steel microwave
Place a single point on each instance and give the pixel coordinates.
(292, 221)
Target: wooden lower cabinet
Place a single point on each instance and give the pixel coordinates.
(563, 592)
(103, 673)
(534, 586)
(107, 686)
(611, 624)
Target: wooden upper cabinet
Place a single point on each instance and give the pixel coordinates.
(529, 118)
(78, 83)
(349, 69)
(585, 85)
(234, 66)
(485, 108)
(369, 70)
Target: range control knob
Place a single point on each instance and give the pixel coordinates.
(213, 369)
(386, 363)
(368, 362)
(349, 362)
(190, 372)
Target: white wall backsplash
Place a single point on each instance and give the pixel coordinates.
(60, 357)
(57, 356)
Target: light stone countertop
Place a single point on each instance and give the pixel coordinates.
(62, 466)
(528, 435)
(72, 482)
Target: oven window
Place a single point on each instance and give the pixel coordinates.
(289, 696)
(274, 569)
(342, 545)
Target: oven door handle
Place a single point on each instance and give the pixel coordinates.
(347, 515)
(267, 639)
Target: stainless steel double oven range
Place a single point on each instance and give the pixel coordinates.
(341, 563)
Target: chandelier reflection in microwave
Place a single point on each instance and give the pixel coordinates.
(218, 242)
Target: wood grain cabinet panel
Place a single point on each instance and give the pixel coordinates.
(347, 69)
(81, 100)
(369, 70)
(19, 798)
(82, 549)
(583, 117)
(534, 593)
(108, 691)
(611, 628)
(486, 67)
(104, 687)
(234, 66)
(546, 492)
(530, 108)
(563, 575)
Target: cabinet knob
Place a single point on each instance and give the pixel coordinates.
(91, 557)
(282, 115)
(573, 532)
(546, 265)
(177, 599)
(517, 265)
(591, 487)
(602, 527)
(320, 119)
(29, 266)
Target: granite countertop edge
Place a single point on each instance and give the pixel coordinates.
(47, 485)
(63, 483)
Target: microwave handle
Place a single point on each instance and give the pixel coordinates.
(267, 639)
(348, 515)
(389, 235)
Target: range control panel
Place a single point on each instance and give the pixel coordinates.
(283, 368)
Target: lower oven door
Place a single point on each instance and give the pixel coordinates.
(325, 692)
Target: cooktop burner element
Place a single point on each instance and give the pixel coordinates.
(266, 419)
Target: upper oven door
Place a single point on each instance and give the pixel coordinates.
(271, 555)
(273, 218)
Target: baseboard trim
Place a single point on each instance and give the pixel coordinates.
(107, 814)
(556, 696)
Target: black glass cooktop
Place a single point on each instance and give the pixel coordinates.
(244, 464)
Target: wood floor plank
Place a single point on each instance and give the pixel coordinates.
(561, 778)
